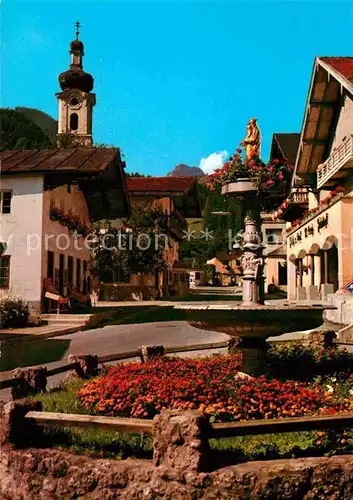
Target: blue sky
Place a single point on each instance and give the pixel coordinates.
(175, 82)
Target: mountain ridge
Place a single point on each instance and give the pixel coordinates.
(183, 170)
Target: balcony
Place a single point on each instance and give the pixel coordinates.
(296, 205)
(336, 165)
(299, 197)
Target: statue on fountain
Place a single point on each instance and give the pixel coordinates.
(252, 141)
(252, 320)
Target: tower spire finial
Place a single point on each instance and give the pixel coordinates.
(78, 26)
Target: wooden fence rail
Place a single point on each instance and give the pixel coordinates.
(246, 428)
(50, 419)
(12, 382)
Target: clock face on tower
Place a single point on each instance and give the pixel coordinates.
(75, 102)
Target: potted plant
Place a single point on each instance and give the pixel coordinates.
(252, 175)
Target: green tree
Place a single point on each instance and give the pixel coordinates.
(136, 174)
(197, 250)
(19, 132)
(134, 247)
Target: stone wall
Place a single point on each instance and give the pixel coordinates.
(183, 467)
(343, 314)
(49, 474)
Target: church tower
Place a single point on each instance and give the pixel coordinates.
(76, 100)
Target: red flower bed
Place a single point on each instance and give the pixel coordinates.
(209, 385)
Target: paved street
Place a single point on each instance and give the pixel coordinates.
(53, 352)
(118, 338)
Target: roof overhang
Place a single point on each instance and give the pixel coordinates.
(99, 172)
(186, 201)
(285, 146)
(326, 92)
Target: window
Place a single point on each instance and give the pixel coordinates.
(84, 277)
(70, 270)
(274, 236)
(119, 275)
(50, 265)
(282, 273)
(5, 202)
(74, 121)
(61, 273)
(89, 284)
(78, 274)
(5, 271)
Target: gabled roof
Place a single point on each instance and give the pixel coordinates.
(223, 268)
(98, 171)
(285, 145)
(278, 252)
(331, 77)
(58, 161)
(341, 65)
(183, 190)
(177, 185)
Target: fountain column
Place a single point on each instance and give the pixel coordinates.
(251, 321)
(252, 260)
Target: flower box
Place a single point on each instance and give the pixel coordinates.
(252, 174)
(240, 186)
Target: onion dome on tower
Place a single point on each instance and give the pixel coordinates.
(75, 77)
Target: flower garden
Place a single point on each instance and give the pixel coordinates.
(301, 381)
(210, 386)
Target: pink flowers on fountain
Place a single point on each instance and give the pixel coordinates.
(266, 176)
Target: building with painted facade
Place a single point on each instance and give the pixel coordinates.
(48, 201)
(319, 210)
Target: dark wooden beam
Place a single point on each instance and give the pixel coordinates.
(315, 142)
(322, 104)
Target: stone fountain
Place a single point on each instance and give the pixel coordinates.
(251, 321)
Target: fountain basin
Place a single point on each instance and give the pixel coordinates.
(256, 321)
(253, 324)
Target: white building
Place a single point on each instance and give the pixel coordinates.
(48, 199)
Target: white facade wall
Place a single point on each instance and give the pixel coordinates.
(344, 124)
(22, 231)
(29, 233)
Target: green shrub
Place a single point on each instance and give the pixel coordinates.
(300, 362)
(14, 312)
